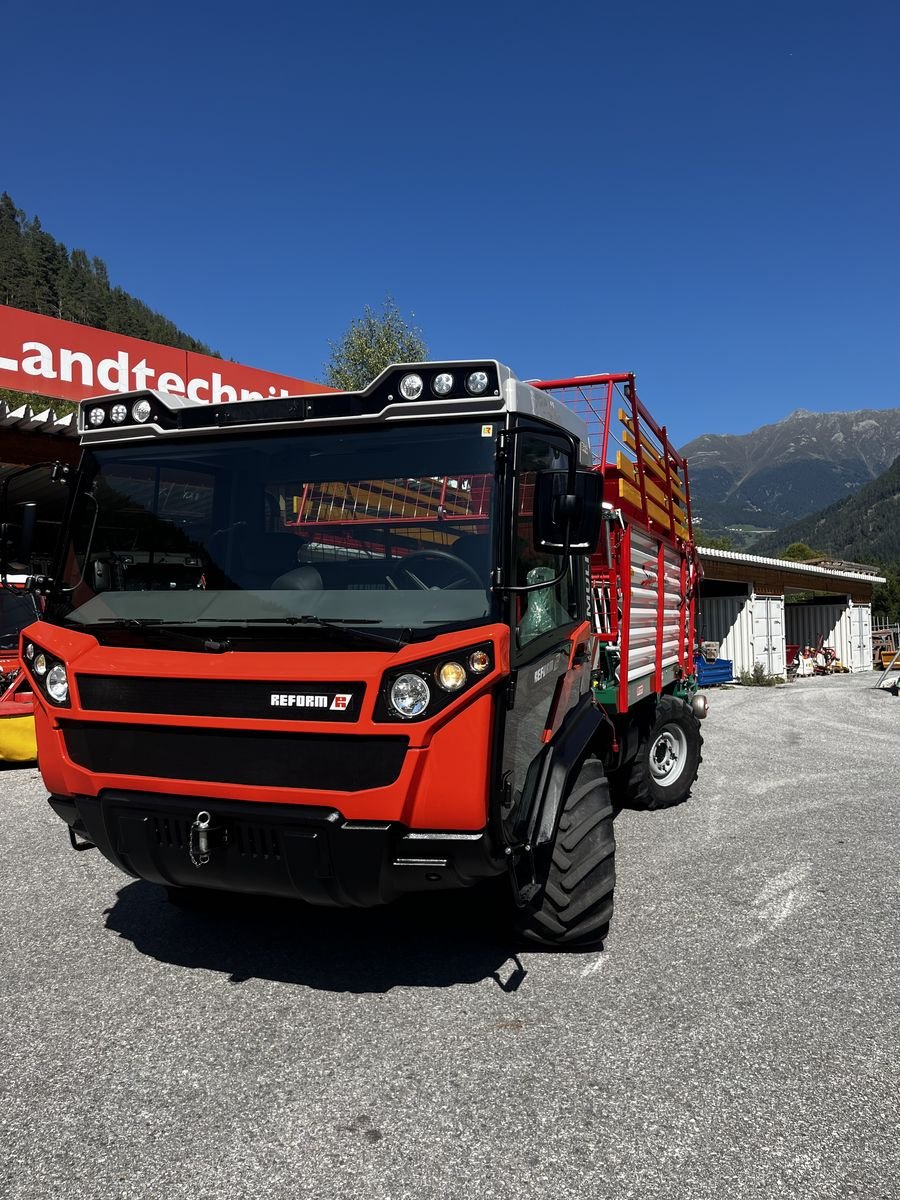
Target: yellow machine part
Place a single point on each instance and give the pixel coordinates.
(17, 742)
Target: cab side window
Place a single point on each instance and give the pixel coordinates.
(545, 609)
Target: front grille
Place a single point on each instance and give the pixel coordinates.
(321, 762)
(277, 700)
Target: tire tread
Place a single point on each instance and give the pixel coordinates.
(576, 902)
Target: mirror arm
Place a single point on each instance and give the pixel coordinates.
(566, 551)
(533, 587)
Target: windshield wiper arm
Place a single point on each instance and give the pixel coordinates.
(157, 626)
(346, 626)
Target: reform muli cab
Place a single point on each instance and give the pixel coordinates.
(348, 646)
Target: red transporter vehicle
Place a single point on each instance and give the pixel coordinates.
(354, 645)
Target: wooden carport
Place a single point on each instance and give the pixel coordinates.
(742, 606)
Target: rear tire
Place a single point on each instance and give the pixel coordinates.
(668, 758)
(576, 900)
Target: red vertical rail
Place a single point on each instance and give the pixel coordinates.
(691, 568)
(670, 468)
(610, 392)
(685, 619)
(624, 572)
(687, 498)
(639, 452)
(660, 612)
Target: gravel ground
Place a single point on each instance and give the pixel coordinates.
(738, 1037)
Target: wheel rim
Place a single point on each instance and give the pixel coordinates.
(668, 754)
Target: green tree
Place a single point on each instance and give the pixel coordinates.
(373, 342)
(800, 552)
(713, 543)
(886, 596)
(13, 267)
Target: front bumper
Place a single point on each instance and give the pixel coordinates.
(299, 851)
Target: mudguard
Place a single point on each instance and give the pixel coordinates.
(557, 768)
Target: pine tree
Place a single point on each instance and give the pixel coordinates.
(13, 267)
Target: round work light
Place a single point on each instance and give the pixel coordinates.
(96, 416)
(410, 695)
(119, 413)
(442, 384)
(57, 684)
(451, 676)
(477, 382)
(140, 410)
(479, 662)
(411, 387)
(40, 665)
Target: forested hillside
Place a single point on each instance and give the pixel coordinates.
(40, 274)
(862, 528)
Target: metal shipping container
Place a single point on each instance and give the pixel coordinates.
(806, 623)
(768, 633)
(861, 636)
(728, 620)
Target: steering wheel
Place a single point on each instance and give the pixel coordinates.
(403, 569)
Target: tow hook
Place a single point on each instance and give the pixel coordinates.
(203, 834)
(76, 845)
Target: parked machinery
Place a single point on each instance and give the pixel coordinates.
(355, 645)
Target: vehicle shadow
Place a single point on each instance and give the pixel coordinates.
(433, 940)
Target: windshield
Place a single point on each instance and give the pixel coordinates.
(388, 527)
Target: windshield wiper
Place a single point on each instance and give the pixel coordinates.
(347, 626)
(158, 627)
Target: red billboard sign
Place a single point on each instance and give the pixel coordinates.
(75, 362)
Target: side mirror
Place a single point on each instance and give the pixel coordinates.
(568, 518)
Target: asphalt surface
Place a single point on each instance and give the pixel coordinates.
(738, 1037)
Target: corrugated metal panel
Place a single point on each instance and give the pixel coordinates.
(644, 600)
(728, 620)
(806, 623)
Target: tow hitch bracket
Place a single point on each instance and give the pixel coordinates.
(202, 836)
(76, 845)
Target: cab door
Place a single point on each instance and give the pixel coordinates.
(549, 644)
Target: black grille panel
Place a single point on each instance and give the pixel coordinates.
(222, 697)
(322, 762)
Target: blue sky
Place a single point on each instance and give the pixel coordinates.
(704, 193)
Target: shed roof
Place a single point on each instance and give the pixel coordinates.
(852, 571)
(25, 420)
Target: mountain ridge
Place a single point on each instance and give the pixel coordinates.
(789, 469)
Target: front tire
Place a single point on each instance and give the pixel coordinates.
(668, 758)
(576, 899)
